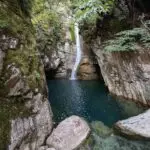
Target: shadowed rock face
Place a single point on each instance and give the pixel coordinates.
(143, 5)
(25, 114)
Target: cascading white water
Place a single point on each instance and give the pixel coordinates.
(78, 53)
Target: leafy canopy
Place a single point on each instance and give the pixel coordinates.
(91, 10)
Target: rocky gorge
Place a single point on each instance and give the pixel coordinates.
(23, 96)
(32, 49)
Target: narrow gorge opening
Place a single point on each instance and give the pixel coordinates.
(59, 62)
(91, 100)
(81, 95)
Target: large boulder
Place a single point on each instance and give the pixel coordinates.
(136, 127)
(69, 134)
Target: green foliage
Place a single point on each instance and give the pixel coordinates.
(45, 16)
(129, 40)
(3, 24)
(17, 24)
(72, 32)
(10, 14)
(91, 10)
(47, 24)
(26, 6)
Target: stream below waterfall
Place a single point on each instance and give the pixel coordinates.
(91, 100)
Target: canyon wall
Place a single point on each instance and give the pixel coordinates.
(25, 113)
(55, 38)
(125, 64)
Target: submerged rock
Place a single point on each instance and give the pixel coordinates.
(100, 128)
(69, 134)
(136, 127)
(97, 140)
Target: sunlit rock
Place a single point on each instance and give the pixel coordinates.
(69, 134)
(136, 127)
(51, 149)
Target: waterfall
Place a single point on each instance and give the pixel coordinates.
(78, 53)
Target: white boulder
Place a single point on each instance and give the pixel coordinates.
(69, 134)
(136, 127)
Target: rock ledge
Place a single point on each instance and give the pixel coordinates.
(136, 127)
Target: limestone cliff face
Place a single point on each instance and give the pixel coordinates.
(25, 114)
(126, 73)
(56, 41)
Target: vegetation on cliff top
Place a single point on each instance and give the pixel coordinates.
(90, 11)
(48, 24)
(90, 14)
(129, 40)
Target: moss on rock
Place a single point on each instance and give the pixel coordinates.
(15, 23)
(10, 110)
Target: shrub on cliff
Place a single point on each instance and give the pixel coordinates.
(129, 40)
(91, 10)
(47, 24)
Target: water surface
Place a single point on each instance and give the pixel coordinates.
(91, 100)
(88, 99)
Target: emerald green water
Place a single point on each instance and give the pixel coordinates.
(91, 100)
(88, 99)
